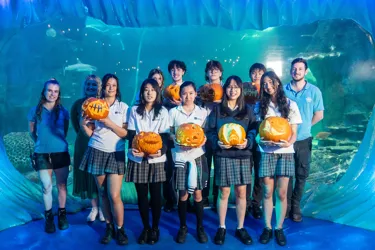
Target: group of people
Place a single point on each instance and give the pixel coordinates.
(100, 163)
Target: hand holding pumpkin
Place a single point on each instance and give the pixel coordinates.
(175, 102)
(242, 145)
(223, 146)
(107, 122)
(158, 154)
(137, 153)
(284, 144)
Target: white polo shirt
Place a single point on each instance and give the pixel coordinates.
(178, 116)
(293, 118)
(104, 138)
(147, 123)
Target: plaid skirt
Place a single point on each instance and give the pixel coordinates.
(232, 171)
(181, 175)
(97, 162)
(276, 164)
(145, 173)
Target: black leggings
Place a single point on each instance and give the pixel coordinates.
(143, 205)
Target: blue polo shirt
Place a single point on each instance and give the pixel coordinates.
(309, 100)
(50, 135)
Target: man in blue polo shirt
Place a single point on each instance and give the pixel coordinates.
(310, 103)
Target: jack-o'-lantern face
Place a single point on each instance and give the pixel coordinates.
(172, 92)
(232, 134)
(190, 135)
(95, 109)
(210, 92)
(275, 129)
(147, 142)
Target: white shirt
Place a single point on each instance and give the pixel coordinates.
(104, 138)
(147, 123)
(178, 116)
(293, 118)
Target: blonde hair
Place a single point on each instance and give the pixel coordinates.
(98, 82)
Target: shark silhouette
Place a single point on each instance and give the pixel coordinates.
(80, 67)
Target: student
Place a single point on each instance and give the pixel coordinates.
(84, 184)
(147, 171)
(158, 76)
(105, 157)
(252, 96)
(48, 126)
(232, 163)
(277, 163)
(177, 70)
(187, 159)
(213, 75)
(310, 103)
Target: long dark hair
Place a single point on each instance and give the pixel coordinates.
(265, 98)
(157, 105)
(56, 108)
(224, 110)
(104, 84)
(157, 71)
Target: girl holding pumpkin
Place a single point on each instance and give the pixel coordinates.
(190, 164)
(48, 126)
(84, 184)
(232, 160)
(146, 168)
(105, 156)
(277, 158)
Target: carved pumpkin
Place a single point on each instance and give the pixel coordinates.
(147, 142)
(190, 135)
(275, 129)
(172, 92)
(210, 92)
(251, 92)
(232, 134)
(95, 108)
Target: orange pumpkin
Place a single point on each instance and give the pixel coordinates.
(275, 129)
(190, 135)
(251, 92)
(232, 134)
(211, 92)
(147, 142)
(172, 92)
(95, 108)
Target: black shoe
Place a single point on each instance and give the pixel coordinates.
(62, 220)
(205, 202)
(49, 225)
(181, 235)
(256, 212)
(154, 236)
(143, 238)
(168, 207)
(244, 236)
(201, 235)
(109, 234)
(266, 236)
(296, 214)
(220, 236)
(122, 238)
(280, 237)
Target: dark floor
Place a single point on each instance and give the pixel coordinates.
(310, 234)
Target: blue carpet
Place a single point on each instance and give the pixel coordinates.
(310, 234)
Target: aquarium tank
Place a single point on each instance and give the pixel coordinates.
(69, 40)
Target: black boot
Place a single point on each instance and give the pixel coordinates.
(62, 220)
(154, 236)
(109, 233)
(49, 226)
(122, 238)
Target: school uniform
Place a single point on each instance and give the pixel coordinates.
(232, 166)
(51, 146)
(106, 150)
(276, 160)
(182, 159)
(147, 170)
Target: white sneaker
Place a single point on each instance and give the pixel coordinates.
(101, 216)
(92, 215)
